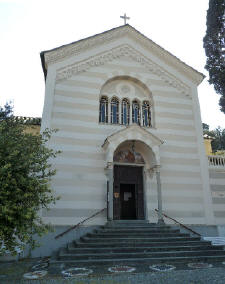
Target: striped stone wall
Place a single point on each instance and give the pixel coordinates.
(81, 180)
(217, 183)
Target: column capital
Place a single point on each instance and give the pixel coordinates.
(156, 169)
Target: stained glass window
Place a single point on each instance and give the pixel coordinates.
(125, 112)
(103, 110)
(135, 112)
(146, 114)
(114, 111)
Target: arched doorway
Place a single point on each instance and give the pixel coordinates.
(128, 187)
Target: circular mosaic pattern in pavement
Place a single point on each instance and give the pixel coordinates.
(199, 265)
(121, 268)
(76, 271)
(162, 267)
(40, 266)
(35, 274)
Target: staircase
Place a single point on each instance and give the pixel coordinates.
(139, 241)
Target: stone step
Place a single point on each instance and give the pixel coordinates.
(73, 249)
(64, 254)
(135, 244)
(138, 239)
(120, 235)
(149, 260)
(139, 229)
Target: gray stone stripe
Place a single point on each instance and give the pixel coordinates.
(178, 137)
(80, 117)
(179, 149)
(73, 182)
(217, 175)
(176, 126)
(169, 94)
(174, 173)
(181, 187)
(172, 105)
(219, 214)
(66, 212)
(174, 115)
(74, 141)
(219, 200)
(80, 197)
(174, 199)
(183, 214)
(69, 105)
(215, 187)
(180, 161)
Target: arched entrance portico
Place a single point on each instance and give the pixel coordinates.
(130, 177)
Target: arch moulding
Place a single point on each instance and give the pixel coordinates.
(133, 132)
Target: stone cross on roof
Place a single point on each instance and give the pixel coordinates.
(125, 18)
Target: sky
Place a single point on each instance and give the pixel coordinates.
(28, 27)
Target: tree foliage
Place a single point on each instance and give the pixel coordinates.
(25, 174)
(214, 44)
(217, 135)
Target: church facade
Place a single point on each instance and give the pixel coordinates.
(130, 132)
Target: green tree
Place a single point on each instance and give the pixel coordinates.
(217, 135)
(25, 174)
(214, 44)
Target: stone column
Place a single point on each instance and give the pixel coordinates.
(109, 174)
(159, 195)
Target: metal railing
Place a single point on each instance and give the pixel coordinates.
(78, 224)
(179, 223)
(216, 161)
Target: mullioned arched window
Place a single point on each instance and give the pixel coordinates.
(114, 111)
(125, 112)
(103, 110)
(146, 114)
(136, 112)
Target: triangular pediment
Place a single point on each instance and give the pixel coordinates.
(64, 52)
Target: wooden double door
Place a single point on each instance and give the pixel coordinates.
(128, 196)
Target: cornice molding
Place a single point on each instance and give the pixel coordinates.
(61, 53)
(123, 50)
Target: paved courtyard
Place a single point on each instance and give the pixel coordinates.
(37, 271)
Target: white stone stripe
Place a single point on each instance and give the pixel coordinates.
(78, 100)
(91, 90)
